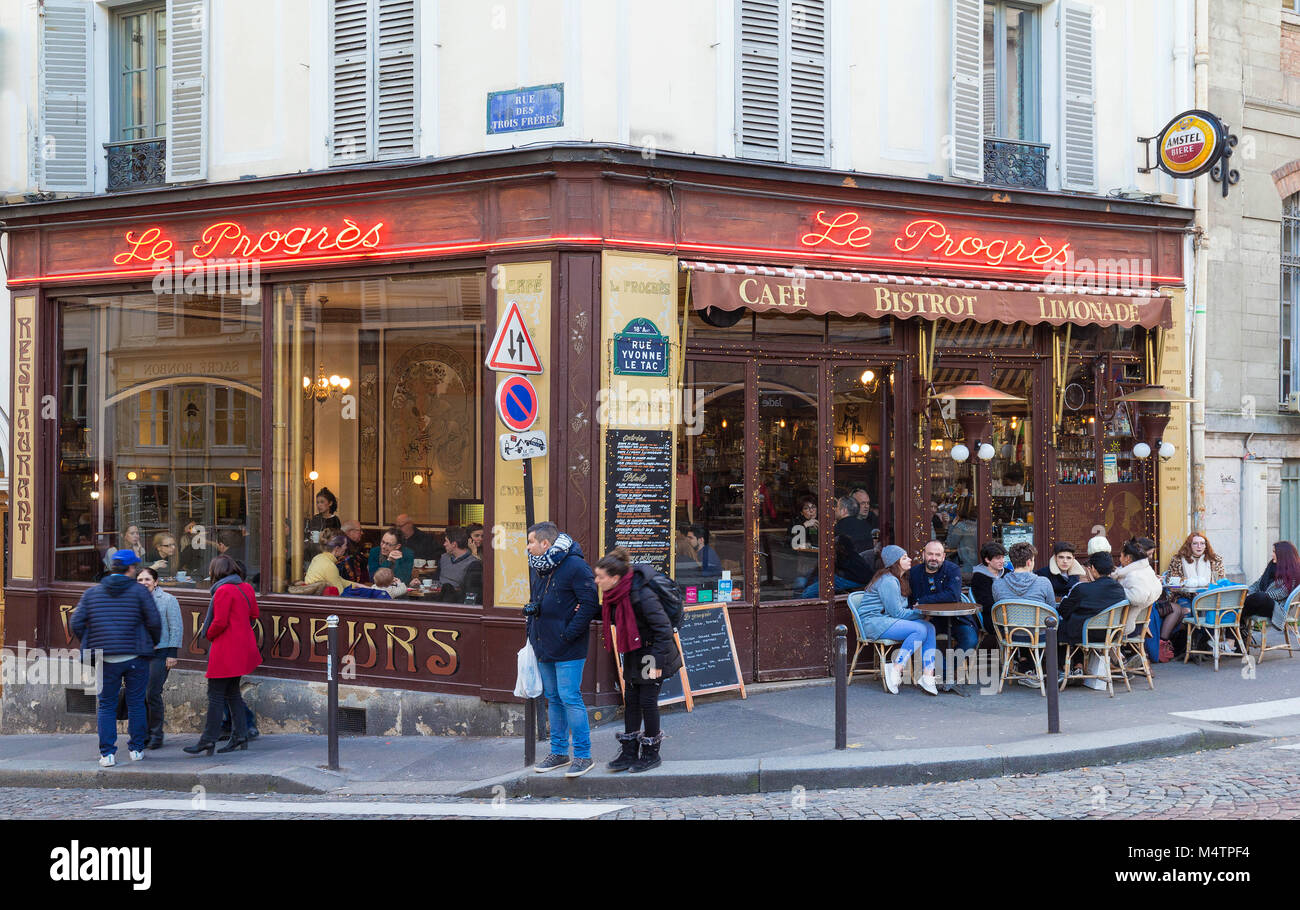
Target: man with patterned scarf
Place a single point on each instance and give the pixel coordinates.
(560, 611)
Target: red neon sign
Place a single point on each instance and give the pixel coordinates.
(229, 240)
(846, 230)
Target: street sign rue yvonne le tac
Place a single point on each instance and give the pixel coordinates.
(512, 348)
(518, 446)
(517, 403)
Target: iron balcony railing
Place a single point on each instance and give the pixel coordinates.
(1011, 162)
(136, 163)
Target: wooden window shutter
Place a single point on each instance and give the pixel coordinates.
(351, 85)
(61, 158)
(396, 80)
(187, 72)
(808, 78)
(1078, 158)
(759, 116)
(966, 127)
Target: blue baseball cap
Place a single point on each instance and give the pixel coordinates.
(124, 557)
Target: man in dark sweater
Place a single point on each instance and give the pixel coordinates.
(935, 580)
(1088, 598)
(993, 565)
(117, 621)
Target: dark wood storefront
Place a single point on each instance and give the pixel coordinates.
(565, 206)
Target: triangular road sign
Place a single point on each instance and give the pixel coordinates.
(512, 349)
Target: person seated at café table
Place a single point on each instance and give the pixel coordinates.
(1269, 594)
(194, 550)
(1194, 565)
(993, 565)
(1062, 571)
(356, 562)
(707, 565)
(387, 554)
(163, 558)
(455, 563)
(1139, 580)
(936, 580)
(1022, 582)
(420, 544)
(324, 565)
(851, 570)
(325, 522)
(231, 543)
(1088, 598)
(131, 541)
(475, 532)
(803, 530)
(386, 581)
(883, 613)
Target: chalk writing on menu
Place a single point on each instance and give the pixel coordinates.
(706, 652)
(638, 494)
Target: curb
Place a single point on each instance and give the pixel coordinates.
(871, 769)
(298, 780)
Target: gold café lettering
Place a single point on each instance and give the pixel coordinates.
(784, 295)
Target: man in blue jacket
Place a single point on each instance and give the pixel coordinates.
(935, 580)
(119, 622)
(560, 611)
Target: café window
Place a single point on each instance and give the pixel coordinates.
(1011, 71)
(378, 409)
(135, 465)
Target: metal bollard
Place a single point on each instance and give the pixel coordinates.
(332, 678)
(1052, 671)
(841, 687)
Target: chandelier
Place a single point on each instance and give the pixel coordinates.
(325, 387)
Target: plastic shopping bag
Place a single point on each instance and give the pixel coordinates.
(528, 680)
(1096, 667)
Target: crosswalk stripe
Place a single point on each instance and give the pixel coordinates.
(1293, 746)
(506, 809)
(1263, 710)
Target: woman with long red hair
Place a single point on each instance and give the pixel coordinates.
(1269, 595)
(1195, 565)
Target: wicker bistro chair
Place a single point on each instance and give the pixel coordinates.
(881, 647)
(1263, 624)
(1217, 611)
(1102, 636)
(1021, 626)
(1135, 644)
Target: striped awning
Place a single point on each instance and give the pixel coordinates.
(729, 286)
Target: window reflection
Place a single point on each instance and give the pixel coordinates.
(788, 477)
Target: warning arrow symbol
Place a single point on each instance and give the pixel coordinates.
(512, 349)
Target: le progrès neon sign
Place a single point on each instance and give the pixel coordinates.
(846, 230)
(229, 240)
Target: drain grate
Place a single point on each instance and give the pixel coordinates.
(78, 702)
(352, 721)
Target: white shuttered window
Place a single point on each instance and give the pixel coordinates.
(966, 121)
(61, 159)
(374, 87)
(187, 77)
(1078, 160)
(782, 108)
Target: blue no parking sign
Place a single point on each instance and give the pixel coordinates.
(517, 403)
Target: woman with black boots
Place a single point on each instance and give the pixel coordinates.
(229, 626)
(643, 635)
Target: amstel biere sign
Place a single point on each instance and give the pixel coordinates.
(1191, 144)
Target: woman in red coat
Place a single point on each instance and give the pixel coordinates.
(233, 654)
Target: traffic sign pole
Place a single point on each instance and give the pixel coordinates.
(532, 716)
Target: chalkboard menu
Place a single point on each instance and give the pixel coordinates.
(708, 653)
(638, 494)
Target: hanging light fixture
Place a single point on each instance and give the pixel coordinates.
(1153, 406)
(974, 402)
(325, 387)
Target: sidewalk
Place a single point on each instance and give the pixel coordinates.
(780, 737)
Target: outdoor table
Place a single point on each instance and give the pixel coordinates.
(947, 611)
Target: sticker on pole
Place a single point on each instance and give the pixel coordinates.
(512, 348)
(517, 403)
(517, 446)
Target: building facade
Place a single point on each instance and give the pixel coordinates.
(1252, 455)
(252, 276)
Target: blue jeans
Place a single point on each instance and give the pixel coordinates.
(135, 673)
(913, 634)
(562, 686)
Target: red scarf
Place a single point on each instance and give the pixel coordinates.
(618, 602)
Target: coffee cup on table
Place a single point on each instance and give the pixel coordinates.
(1175, 580)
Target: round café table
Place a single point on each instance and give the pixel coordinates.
(946, 612)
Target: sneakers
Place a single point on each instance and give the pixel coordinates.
(579, 767)
(927, 684)
(136, 755)
(551, 763)
(893, 673)
(1228, 646)
(107, 761)
(1028, 683)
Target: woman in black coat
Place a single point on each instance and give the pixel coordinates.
(638, 626)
